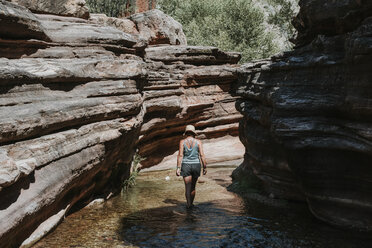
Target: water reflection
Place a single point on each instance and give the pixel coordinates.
(153, 214)
(206, 225)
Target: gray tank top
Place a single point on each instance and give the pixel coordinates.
(190, 155)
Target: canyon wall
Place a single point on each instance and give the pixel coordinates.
(75, 8)
(80, 96)
(307, 124)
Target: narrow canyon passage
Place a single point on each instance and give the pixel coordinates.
(81, 93)
(153, 214)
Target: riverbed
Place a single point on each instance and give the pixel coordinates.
(154, 214)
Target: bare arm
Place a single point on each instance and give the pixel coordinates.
(179, 158)
(202, 156)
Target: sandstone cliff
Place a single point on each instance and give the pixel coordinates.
(78, 97)
(307, 124)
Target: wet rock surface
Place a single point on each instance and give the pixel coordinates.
(307, 117)
(78, 98)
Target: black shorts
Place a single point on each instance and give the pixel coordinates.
(190, 170)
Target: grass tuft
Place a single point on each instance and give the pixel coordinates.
(131, 181)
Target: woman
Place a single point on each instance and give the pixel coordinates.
(190, 158)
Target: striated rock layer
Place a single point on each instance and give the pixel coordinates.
(76, 8)
(186, 92)
(150, 28)
(78, 98)
(307, 124)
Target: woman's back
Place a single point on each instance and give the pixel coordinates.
(190, 151)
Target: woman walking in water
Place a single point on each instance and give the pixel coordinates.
(190, 158)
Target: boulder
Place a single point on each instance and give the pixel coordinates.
(76, 8)
(155, 27)
(150, 28)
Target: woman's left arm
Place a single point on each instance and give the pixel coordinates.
(202, 157)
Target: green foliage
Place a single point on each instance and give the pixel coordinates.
(111, 7)
(131, 181)
(282, 17)
(232, 25)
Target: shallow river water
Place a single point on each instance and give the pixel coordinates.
(153, 214)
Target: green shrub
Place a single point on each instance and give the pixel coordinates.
(256, 28)
(285, 10)
(245, 26)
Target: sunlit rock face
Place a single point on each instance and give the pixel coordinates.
(188, 85)
(307, 124)
(75, 8)
(70, 102)
(78, 98)
(149, 28)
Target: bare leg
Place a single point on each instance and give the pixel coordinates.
(193, 191)
(188, 182)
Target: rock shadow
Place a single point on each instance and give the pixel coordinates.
(10, 194)
(176, 226)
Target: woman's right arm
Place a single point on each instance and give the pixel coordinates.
(179, 158)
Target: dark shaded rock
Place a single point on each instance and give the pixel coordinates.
(319, 17)
(196, 55)
(17, 22)
(307, 125)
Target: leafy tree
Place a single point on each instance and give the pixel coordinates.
(285, 10)
(235, 25)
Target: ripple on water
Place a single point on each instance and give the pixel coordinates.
(153, 214)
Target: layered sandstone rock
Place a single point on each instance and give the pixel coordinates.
(150, 28)
(77, 100)
(123, 24)
(182, 93)
(307, 124)
(70, 101)
(17, 22)
(76, 8)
